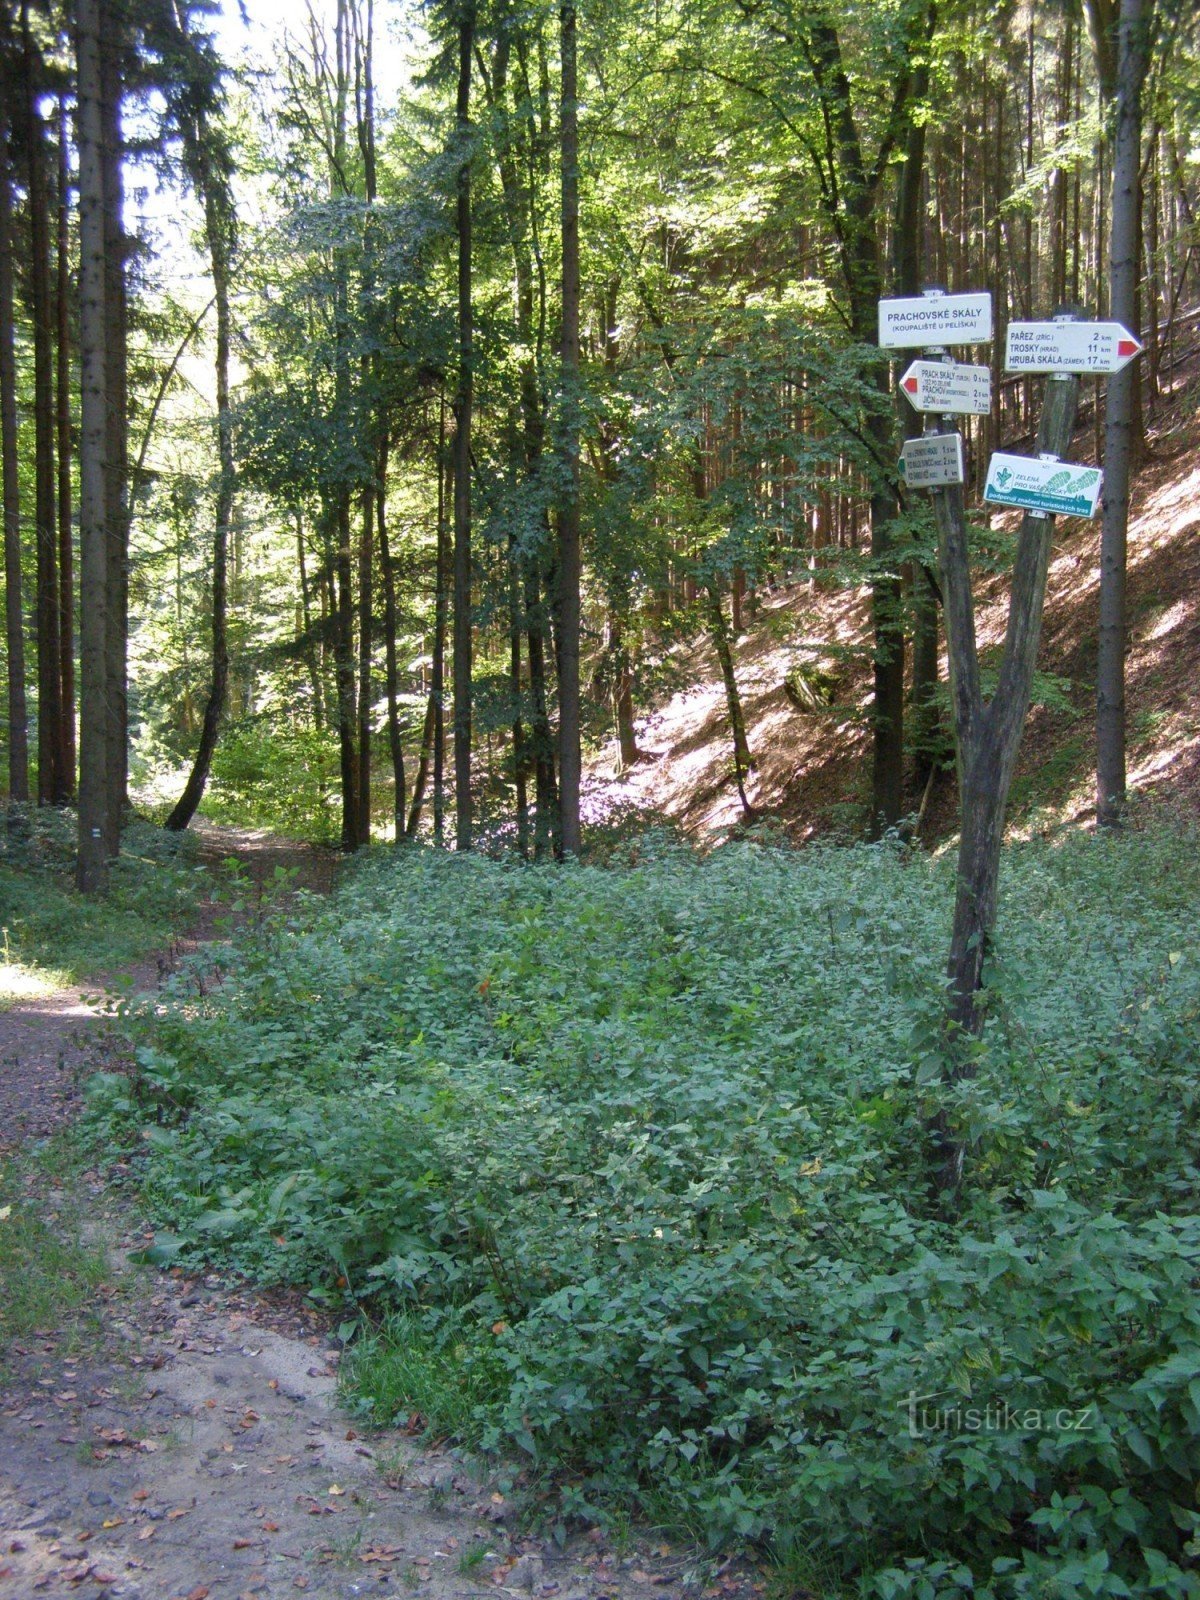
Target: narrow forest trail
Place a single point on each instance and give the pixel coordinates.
(183, 1440)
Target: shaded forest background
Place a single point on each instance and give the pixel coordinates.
(448, 412)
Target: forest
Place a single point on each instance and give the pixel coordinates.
(407, 411)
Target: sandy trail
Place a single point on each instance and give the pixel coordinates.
(190, 1445)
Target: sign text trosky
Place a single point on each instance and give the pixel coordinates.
(1068, 347)
(935, 319)
(1058, 488)
(933, 461)
(949, 389)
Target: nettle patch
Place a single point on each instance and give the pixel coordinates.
(629, 1170)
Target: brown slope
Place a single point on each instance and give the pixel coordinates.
(812, 772)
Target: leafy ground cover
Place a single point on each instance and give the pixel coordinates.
(51, 935)
(49, 1269)
(628, 1167)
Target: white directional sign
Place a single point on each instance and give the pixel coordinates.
(935, 319)
(933, 461)
(1068, 347)
(1056, 487)
(933, 386)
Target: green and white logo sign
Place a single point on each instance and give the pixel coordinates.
(1055, 487)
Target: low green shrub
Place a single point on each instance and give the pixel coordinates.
(638, 1159)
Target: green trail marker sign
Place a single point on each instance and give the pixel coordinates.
(1053, 488)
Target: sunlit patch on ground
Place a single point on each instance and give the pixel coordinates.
(19, 983)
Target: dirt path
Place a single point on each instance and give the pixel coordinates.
(44, 1038)
(196, 1450)
(192, 1447)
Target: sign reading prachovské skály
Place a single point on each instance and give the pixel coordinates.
(935, 319)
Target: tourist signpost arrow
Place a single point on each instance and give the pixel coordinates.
(934, 460)
(935, 320)
(1069, 347)
(949, 390)
(1055, 488)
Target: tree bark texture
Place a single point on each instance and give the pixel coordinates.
(116, 413)
(438, 683)
(1120, 429)
(18, 720)
(743, 761)
(66, 537)
(391, 667)
(218, 227)
(52, 788)
(851, 199)
(988, 737)
(568, 597)
(463, 401)
(92, 870)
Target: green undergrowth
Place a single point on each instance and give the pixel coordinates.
(50, 934)
(628, 1169)
(49, 1270)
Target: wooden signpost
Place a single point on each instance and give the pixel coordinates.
(988, 731)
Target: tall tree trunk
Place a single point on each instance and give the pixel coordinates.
(438, 684)
(421, 779)
(343, 586)
(92, 870)
(621, 691)
(520, 207)
(18, 722)
(365, 564)
(851, 201)
(218, 226)
(51, 784)
(312, 653)
(520, 753)
(117, 515)
(906, 275)
(376, 423)
(66, 541)
(1120, 430)
(988, 737)
(391, 667)
(568, 599)
(545, 788)
(463, 400)
(743, 761)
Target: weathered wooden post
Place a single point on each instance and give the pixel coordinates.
(988, 735)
